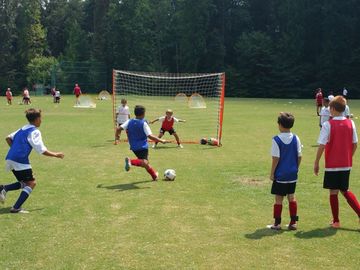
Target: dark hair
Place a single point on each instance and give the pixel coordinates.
(286, 120)
(32, 114)
(139, 110)
(338, 103)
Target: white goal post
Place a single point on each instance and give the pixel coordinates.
(196, 98)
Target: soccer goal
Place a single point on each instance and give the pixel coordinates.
(196, 98)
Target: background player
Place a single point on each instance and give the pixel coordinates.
(9, 96)
(122, 115)
(77, 93)
(339, 140)
(21, 143)
(168, 126)
(318, 100)
(138, 133)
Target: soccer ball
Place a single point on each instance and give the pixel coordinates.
(170, 174)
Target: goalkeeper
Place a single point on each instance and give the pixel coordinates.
(168, 126)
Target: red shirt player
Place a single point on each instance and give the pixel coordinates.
(9, 96)
(168, 126)
(318, 100)
(339, 140)
(77, 93)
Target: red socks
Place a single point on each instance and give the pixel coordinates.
(334, 203)
(152, 172)
(293, 212)
(136, 162)
(352, 201)
(277, 213)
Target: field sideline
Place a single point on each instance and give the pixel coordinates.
(88, 213)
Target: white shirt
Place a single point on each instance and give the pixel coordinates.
(57, 94)
(324, 115)
(162, 119)
(286, 138)
(346, 113)
(146, 127)
(26, 94)
(324, 137)
(35, 140)
(122, 114)
(345, 92)
(331, 97)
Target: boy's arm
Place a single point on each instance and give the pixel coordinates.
(156, 139)
(354, 148)
(53, 154)
(275, 162)
(153, 121)
(319, 153)
(9, 141)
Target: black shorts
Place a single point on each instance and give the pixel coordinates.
(24, 175)
(337, 180)
(142, 154)
(171, 131)
(283, 189)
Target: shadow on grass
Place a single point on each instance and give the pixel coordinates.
(124, 187)
(322, 233)
(317, 233)
(265, 232)
(6, 210)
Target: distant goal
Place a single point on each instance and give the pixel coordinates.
(197, 98)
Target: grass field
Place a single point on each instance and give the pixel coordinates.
(88, 213)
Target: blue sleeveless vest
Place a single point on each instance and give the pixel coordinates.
(20, 148)
(136, 135)
(287, 168)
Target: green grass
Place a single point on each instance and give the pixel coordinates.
(88, 213)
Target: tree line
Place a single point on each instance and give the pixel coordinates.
(272, 48)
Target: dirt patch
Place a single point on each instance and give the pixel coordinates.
(250, 181)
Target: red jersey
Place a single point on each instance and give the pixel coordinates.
(319, 98)
(77, 90)
(168, 124)
(338, 150)
(8, 94)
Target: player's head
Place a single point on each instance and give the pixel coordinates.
(123, 101)
(325, 101)
(33, 116)
(8, 89)
(139, 111)
(76, 85)
(286, 120)
(319, 90)
(338, 104)
(169, 112)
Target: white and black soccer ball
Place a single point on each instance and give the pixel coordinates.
(170, 174)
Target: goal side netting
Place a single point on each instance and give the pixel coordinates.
(196, 98)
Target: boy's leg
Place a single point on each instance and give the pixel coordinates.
(25, 193)
(177, 139)
(292, 211)
(159, 136)
(334, 204)
(142, 161)
(278, 209)
(117, 134)
(352, 201)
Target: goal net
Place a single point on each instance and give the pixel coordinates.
(196, 98)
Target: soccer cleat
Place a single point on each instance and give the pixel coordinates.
(274, 227)
(127, 164)
(292, 227)
(116, 142)
(18, 211)
(335, 225)
(2, 194)
(180, 146)
(155, 177)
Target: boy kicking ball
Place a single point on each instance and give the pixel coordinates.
(167, 125)
(338, 139)
(138, 133)
(286, 158)
(21, 143)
